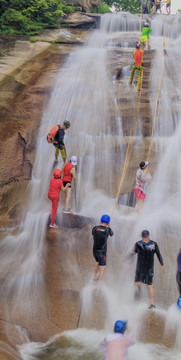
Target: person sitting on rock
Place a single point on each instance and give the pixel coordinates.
(145, 35)
(69, 173)
(56, 185)
(142, 178)
(138, 65)
(117, 344)
(56, 137)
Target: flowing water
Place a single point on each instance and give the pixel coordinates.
(84, 93)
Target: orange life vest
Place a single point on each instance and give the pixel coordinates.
(52, 133)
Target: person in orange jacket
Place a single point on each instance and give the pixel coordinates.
(56, 185)
(138, 65)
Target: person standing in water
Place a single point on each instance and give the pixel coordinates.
(56, 137)
(145, 250)
(100, 235)
(138, 65)
(145, 35)
(117, 344)
(56, 185)
(142, 178)
(69, 173)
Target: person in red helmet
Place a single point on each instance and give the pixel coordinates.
(56, 185)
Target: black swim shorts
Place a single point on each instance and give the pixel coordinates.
(65, 183)
(100, 257)
(144, 278)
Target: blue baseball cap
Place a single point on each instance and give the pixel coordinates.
(120, 326)
(105, 218)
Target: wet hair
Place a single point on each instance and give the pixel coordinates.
(142, 165)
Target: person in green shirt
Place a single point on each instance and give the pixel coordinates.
(145, 35)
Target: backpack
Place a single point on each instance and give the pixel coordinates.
(52, 133)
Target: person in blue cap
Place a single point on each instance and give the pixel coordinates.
(146, 249)
(100, 235)
(117, 344)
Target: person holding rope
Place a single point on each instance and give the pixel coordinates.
(145, 35)
(143, 176)
(69, 173)
(56, 137)
(145, 5)
(138, 65)
(100, 235)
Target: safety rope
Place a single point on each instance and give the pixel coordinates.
(130, 143)
(159, 89)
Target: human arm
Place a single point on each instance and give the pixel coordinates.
(73, 173)
(65, 188)
(157, 251)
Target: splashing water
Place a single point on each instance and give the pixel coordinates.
(84, 94)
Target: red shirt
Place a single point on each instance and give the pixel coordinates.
(138, 56)
(55, 187)
(66, 172)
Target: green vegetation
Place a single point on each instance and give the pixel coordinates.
(33, 39)
(101, 9)
(29, 16)
(133, 6)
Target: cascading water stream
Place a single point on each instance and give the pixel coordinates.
(92, 110)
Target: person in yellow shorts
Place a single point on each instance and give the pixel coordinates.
(145, 35)
(138, 65)
(168, 7)
(56, 137)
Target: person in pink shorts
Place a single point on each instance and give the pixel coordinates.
(117, 344)
(143, 176)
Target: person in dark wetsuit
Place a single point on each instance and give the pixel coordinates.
(178, 277)
(146, 249)
(100, 235)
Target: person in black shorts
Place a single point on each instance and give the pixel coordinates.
(100, 235)
(146, 249)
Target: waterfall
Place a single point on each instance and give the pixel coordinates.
(85, 94)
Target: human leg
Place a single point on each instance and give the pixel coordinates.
(56, 153)
(96, 270)
(54, 210)
(67, 197)
(151, 293)
(63, 154)
(140, 70)
(101, 272)
(132, 74)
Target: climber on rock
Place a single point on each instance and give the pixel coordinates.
(69, 173)
(100, 235)
(143, 176)
(138, 65)
(145, 35)
(56, 185)
(56, 137)
(117, 344)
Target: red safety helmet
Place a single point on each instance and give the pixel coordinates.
(57, 173)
